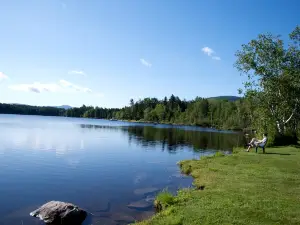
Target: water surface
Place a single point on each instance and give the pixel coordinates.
(112, 169)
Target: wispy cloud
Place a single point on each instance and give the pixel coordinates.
(216, 58)
(3, 76)
(67, 84)
(77, 72)
(61, 86)
(146, 63)
(36, 87)
(210, 52)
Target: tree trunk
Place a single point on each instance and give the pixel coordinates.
(280, 127)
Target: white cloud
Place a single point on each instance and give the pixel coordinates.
(60, 86)
(3, 76)
(146, 63)
(211, 53)
(77, 72)
(36, 87)
(207, 51)
(216, 58)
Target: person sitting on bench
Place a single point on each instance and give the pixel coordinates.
(258, 143)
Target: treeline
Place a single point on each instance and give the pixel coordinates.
(91, 112)
(83, 111)
(217, 113)
(30, 110)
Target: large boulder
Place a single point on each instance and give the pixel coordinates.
(60, 213)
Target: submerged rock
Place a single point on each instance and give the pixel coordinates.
(121, 218)
(144, 191)
(62, 213)
(140, 205)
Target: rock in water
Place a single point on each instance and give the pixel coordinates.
(61, 213)
(140, 205)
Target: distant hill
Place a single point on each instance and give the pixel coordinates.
(64, 107)
(59, 107)
(229, 98)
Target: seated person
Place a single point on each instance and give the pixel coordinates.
(258, 143)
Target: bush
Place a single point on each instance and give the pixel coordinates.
(288, 139)
(163, 200)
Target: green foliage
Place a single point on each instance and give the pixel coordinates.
(272, 84)
(83, 111)
(217, 154)
(187, 169)
(213, 169)
(163, 200)
(30, 110)
(215, 112)
(91, 112)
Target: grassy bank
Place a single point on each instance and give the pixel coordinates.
(243, 188)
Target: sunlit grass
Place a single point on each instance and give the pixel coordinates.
(163, 200)
(243, 188)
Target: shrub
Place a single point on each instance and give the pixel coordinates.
(163, 200)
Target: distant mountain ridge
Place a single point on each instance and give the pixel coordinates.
(225, 97)
(63, 107)
(59, 107)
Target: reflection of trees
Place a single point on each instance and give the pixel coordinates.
(173, 139)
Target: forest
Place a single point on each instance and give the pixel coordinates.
(211, 112)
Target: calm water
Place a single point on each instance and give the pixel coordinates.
(102, 166)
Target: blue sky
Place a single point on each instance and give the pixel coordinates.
(103, 53)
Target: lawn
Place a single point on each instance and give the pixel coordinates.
(242, 188)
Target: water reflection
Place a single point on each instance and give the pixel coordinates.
(95, 164)
(174, 139)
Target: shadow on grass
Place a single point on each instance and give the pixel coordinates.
(274, 153)
(296, 146)
(283, 146)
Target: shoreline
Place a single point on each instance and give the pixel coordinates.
(181, 124)
(242, 188)
(141, 121)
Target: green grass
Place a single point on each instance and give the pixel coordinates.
(163, 200)
(243, 188)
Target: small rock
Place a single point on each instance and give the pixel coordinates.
(62, 213)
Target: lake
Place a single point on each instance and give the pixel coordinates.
(111, 169)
